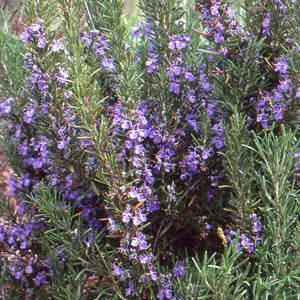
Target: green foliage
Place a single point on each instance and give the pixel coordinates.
(240, 172)
(239, 164)
(63, 241)
(215, 277)
(11, 61)
(278, 255)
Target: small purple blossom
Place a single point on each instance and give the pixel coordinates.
(146, 258)
(62, 75)
(127, 215)
(278, 112)
(117, 270)
(165, 291)
(139, 241)
(152, 273)
(151, 63)
(41, 40)
(281, 65)
(174, 87)
(61, 145)
(139, 217)
(40, 278)
(29, 113)
(179, 269)
(130, 289)
(5, 107)
(57, 46)
(108, 63)
(29, 269)
(136, 31)
(206, 153)
(25, 36)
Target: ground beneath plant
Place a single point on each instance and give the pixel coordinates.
(5, 172)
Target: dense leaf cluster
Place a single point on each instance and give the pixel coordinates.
(153, 162)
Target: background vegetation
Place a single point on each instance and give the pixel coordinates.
(155, 161)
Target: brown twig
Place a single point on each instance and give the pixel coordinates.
(202, 33)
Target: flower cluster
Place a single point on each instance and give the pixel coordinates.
(248, 242)
(134, 139)
(219, 20)
(18, 240)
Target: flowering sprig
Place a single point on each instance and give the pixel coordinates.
(133, 148)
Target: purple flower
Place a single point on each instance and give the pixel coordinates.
(174, 69)
(151, 63)
(57, 46)
(25, 35)
(127, 215)
(148, 29)
(40, 278)
(18, 274)
(29, 269)
(206, 153)
(61, 145)
(62, 75)
(152, 205)
(133, 134)
(218, 38)
(188, 75)
(266, 22)
(246, 242)
(256, 240)
(265, 124)
(41, 40)
(24, 245)
(88, 240)
(160, 294)
(208, 226)
(54, 179)
(284, 85)
(11, 239)
(178, 42)
(18, 131)
(281, 65)
(146, 258)
(136, 30)
(68, 94)
(35, 27)
(165, 291)
(152, 273)
(148, 176)
(108, 63)
(219, 27)
(129, 290)
(256, 224)
(174, 87)
(139, 217)
(191, 96)
(179, 269)
(278, 112)
(214, 9)
(125, 124)
(139, 241)
(204, 83)
(112, 226)
(37, 163)
(28, 114)
(5, 107)
(117, 271)
(218, 142)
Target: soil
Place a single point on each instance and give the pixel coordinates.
(5, 172)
